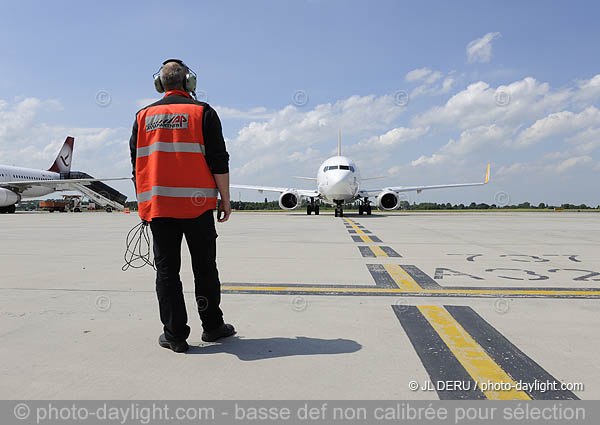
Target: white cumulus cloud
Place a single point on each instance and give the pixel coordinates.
(573, 162)
(387, 141)
(470, 141)
(417, 74)
(516, 115)
(480, 50)
(558, 123)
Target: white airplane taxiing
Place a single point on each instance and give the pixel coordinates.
(17, 183)
(339, 183)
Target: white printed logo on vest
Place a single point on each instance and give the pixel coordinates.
(167, 121)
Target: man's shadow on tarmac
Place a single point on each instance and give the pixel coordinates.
(269, 348)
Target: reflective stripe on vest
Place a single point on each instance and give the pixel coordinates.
(177, 192)
(193, 147)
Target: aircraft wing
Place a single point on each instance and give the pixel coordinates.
(301, 192)
(418, 189)
(57, 185)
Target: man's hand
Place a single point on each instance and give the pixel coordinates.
(223, 211)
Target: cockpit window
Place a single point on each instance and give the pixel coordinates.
(340, 167)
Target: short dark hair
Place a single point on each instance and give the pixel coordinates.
(172, 76)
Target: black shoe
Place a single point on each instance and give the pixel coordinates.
(222, 331)
(178, 347)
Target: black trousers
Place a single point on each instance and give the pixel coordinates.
(200, 235)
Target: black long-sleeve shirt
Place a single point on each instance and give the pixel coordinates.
(216, 155)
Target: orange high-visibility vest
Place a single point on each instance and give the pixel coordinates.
(172, 176)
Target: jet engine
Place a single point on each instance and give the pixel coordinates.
(289, 200)
(388, 200)
(8, 197)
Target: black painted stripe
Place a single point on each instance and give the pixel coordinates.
(366, 251)
(381, 277)
(294, 285)
(375, 238)
(512, 360)
(324, 285)
(389, 251)
(440, 363)
(357, 239)
(517, 288)
(421, 277)
(334, 292)
(354, 231)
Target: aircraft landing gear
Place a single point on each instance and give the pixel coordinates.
(312, 207)
(339, 209)
(364, 207)
(8, 210)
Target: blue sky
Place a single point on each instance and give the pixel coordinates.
(523, 97)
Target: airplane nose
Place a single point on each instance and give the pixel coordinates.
(339, 184)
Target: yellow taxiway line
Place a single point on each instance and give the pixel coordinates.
(378, 251)
(472, 356)
(506, 293)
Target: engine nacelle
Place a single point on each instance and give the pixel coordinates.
(388, 200)
(289, 200)
(8, 197)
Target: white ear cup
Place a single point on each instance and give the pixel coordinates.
(190, 82)
(158, 84)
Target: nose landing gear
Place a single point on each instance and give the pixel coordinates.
(339, 209)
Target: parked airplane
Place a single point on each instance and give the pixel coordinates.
(339, 183)
(17, 183)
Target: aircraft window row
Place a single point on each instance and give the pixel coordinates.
(341, 167)
(28, 178)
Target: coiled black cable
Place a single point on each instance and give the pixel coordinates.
(138, 248)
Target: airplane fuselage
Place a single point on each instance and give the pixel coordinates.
(13, 174)
(338, 180)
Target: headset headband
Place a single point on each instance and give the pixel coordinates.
(179, 61)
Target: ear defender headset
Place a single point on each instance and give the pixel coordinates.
(189, 84)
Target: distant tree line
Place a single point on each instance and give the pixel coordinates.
(483, 206)
(404, 205)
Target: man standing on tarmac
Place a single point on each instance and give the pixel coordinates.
(180, 164)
